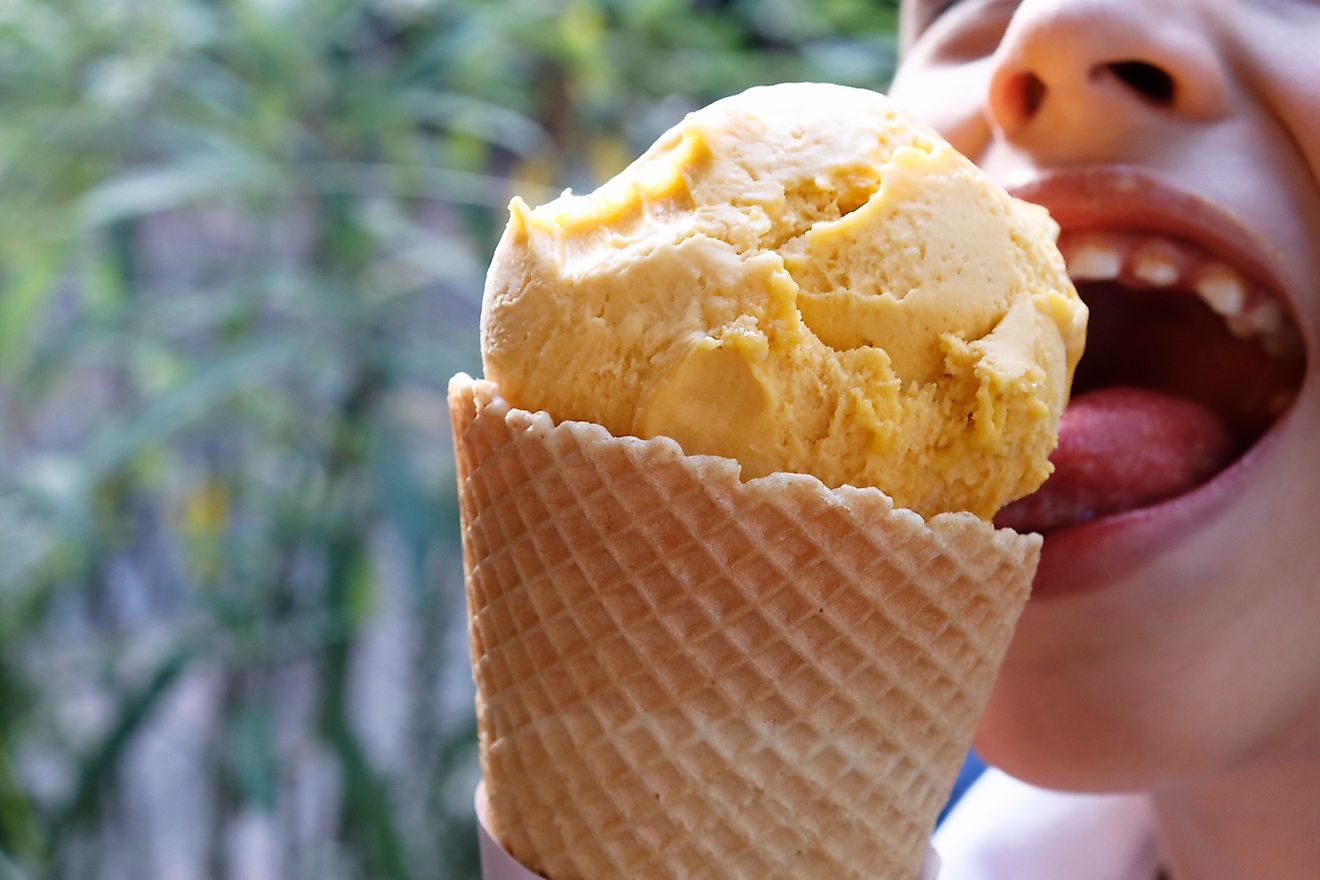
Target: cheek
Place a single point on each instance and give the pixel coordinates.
(1109, 725)
(1279, 62)
(1076, 710)
(948, 97)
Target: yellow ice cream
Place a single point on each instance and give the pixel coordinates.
(803, 278)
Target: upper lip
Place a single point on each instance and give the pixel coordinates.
(1122, 197)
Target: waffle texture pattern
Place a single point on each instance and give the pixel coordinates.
(682, 675)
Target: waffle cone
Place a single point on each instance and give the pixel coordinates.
(683, 675)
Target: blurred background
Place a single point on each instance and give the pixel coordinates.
(242, 246)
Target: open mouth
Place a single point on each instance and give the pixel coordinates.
(1190, 360)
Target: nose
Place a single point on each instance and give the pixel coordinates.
(1073, 80)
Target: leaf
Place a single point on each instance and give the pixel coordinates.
(18, 821)
(145, 191)
(188, 401)
(21, 301)
(368, 809)
(8, 870)
(360, 591)
(399, 488)
(100, 765)
(26, 547)
(494, 122)
(252, 755)
(423, 182)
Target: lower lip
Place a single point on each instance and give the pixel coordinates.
(1090, 556)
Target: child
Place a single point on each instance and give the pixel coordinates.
(1172, 645)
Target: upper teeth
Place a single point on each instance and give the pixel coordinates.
(1151, 261)
(1265, 316)
(1093, 262)
(1155, 268)
(1223, 288)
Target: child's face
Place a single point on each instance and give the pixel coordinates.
(1177, 142)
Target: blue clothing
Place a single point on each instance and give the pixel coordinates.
(972, 769)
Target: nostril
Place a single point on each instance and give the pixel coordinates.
(1023, 95)
(1147, 80)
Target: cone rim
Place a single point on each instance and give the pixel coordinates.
(485, 396)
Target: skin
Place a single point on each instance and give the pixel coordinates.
(1195, 676)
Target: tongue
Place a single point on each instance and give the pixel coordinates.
(1121, 448)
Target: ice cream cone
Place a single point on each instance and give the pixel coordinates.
(683, 675)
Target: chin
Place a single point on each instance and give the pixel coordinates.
(1085, 732)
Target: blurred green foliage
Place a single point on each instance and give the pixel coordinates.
(241, 251)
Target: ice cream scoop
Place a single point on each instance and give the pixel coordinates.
(805, 279)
